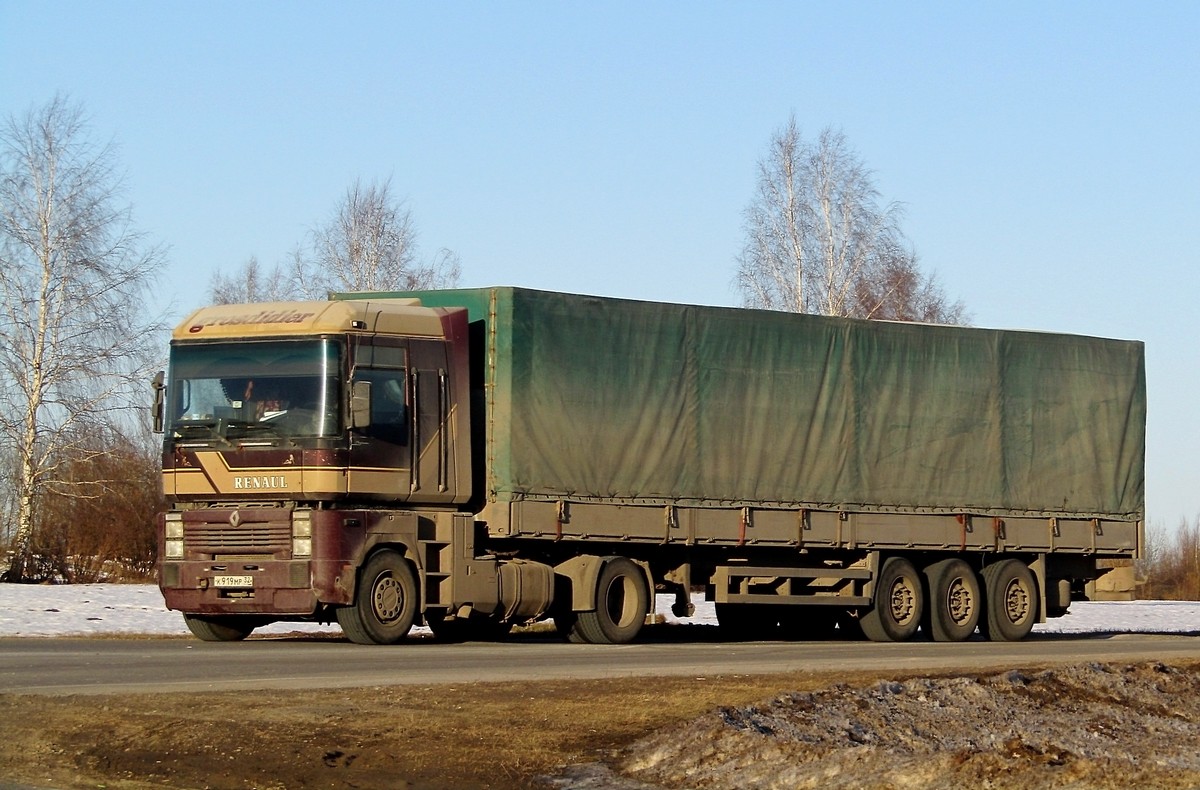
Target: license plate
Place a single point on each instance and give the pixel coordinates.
(233, 581)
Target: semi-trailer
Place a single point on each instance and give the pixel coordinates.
(472, 459)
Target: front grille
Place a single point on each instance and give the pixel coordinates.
(243, 535)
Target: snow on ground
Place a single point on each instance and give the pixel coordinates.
(107, 609)
(100, 609)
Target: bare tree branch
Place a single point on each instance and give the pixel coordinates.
(818, 240)
(370, 244)
(251, 283)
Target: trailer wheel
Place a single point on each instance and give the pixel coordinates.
(955, 602)
(899, 603)
(1011, 597)
(221, 629)
(622, 602)
(385, 604)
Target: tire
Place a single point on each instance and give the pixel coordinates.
(385, 604)
(955, 601)
(1011, 600)
(899, 603)
(622, 601)
(221, 629)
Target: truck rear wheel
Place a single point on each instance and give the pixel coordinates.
(385, 604)
(622, 602)
(1011, 597)
(955, 602)
(221, 629)
(898, 605)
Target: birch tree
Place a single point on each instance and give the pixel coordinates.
(370, 244)
(75, 335)
(253, 283)
(819, 239)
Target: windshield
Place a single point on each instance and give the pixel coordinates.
(276, 390)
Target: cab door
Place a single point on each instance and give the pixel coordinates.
(381, 454)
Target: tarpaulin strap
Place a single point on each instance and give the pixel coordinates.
(964, 523)
(743, 525)
(560, 517)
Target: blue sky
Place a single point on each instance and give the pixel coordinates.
(1047, 154)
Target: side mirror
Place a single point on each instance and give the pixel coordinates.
(160, 387)
(360, 404)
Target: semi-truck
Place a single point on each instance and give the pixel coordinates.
(474, 459)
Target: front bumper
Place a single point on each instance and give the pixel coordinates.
(277, 587)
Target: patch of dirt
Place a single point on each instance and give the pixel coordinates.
(1095, 726)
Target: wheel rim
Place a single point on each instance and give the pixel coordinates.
(960, 602)
(387, 599)
(903, 601)
(1017, 602)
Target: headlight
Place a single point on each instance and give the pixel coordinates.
(302, 533)
(301, 547)
(173, 531)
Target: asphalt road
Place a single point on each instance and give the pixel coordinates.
(121, 666)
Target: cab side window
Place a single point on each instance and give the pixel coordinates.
(389, 406)
(386, 367)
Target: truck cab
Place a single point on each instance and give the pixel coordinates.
(285, 426)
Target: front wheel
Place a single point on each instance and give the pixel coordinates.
(622, 602)
(385, 604)
(898, 604)
(231, 628)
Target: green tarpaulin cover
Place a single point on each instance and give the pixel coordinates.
(596, 399)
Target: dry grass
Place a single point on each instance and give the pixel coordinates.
(486, 735)
(494, 735)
